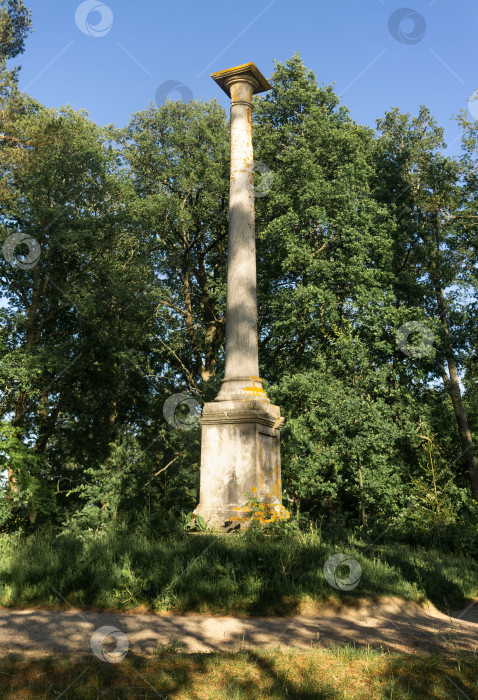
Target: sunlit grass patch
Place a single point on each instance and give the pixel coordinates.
(340, 672)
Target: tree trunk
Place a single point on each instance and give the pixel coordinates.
(452, 387)
(362, 498)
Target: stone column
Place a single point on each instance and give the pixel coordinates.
(242, 356)
(240, 450)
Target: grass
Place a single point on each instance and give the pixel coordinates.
(340, 673)
(235, 574)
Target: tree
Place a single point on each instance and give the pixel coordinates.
(77, 312)
(15, 25)
(326, 302)
(422, 187)
(125, 305)
(178, 155)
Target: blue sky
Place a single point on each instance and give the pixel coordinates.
(112, 59)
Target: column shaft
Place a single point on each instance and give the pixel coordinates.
(242, 360)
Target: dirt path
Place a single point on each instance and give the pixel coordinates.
(394, 624)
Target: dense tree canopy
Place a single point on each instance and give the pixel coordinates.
(360, 233)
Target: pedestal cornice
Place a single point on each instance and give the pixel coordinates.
(242, 411)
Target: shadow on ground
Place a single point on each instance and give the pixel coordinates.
(247, 674)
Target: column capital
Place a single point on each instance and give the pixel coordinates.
(247, 73)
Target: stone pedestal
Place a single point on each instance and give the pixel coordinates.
(240, 453)
(240, 449)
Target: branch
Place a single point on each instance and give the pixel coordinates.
(161, 470)
(188, 374)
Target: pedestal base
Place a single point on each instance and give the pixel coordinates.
(240, 453)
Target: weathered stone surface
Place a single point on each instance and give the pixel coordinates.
(240, 450)
(242, 360)
(240, 453)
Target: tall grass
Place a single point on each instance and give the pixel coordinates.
(222, 574)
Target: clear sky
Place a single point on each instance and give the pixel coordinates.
(110, 58)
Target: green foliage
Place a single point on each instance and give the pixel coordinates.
(15, 25)
(439, 514)
(187, 522)
(268, 518)
(433, 492)
(27, 494)
(125, 567)
(126, 306)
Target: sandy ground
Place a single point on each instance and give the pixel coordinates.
(393, 624)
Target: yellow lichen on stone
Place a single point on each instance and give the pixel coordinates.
(255, 390)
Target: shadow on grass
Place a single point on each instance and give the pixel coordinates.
(429, 676)
(313, 675)
(241, 675)
(224, 575)
(444, 578)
